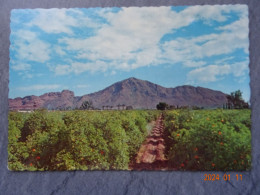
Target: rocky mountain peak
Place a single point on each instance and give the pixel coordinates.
(139, 94)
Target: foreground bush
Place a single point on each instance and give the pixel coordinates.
(75, 139)
(209, 139)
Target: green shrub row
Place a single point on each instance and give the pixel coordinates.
(72, 140)
(208, 139)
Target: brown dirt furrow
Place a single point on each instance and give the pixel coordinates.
(151, 153)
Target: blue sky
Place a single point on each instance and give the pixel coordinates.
(86, 50)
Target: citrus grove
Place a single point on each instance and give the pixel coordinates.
(88, 140)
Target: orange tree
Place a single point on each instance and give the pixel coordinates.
(72, 140)
(209, 139)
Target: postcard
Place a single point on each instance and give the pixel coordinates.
(130, 88)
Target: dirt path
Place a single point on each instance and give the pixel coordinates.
(151, 154)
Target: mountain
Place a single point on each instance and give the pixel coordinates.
(130, 92)
(52, 100)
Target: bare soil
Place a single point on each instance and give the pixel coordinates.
(151, 154)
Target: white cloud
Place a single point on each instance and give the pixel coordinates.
(61, 20)
(213, 73)
(207, 45)
(78, 67)
(61, 69)
(131, 38)
(25, 74)
(82, 86)
(130, 30)
(53, 21)
(21, 67)
(59, 50)
(240, 68)
(29, 47)
(224, 60)
(208, 73)
(239, 31)
(39, 87)
(190, 63)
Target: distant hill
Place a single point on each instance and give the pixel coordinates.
(133, 92)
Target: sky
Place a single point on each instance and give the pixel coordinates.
(87, 49)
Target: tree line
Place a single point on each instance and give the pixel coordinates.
(234, 101)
